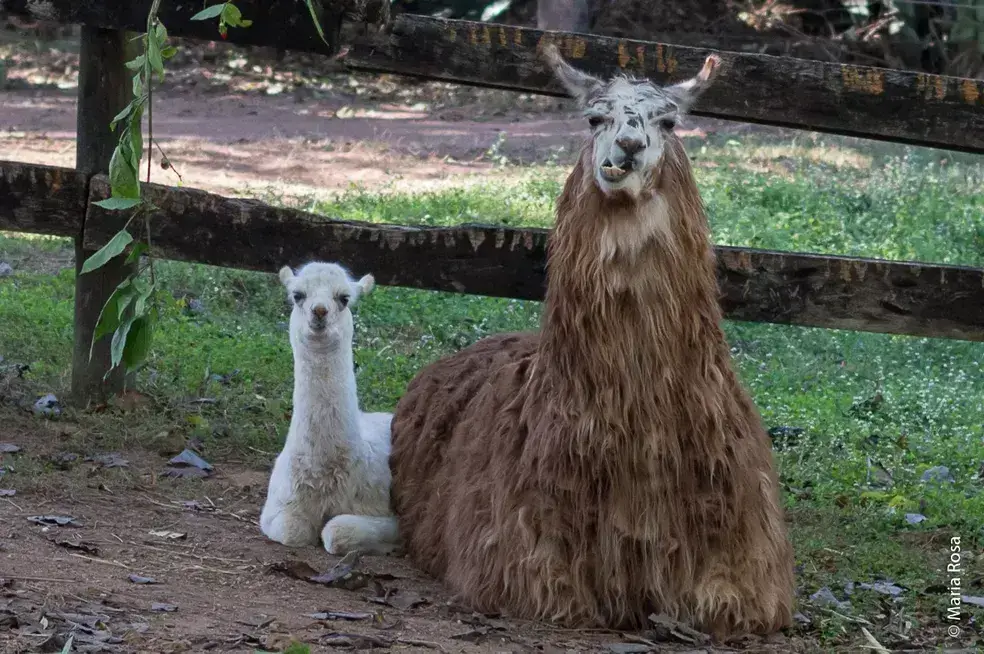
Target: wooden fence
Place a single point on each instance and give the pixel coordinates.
(922, 299)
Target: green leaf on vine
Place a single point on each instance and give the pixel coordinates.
(137, 63)
(210, 12)
(169, 52)
(109, 317)
(114, 248)
(119, 342)
(120, 116)
(138, 340)
(154, 54)
(314, 17)
(136, 251)
(122, 173)
(118, 204)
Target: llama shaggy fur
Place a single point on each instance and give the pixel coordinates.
(333, 471)
(611, 466)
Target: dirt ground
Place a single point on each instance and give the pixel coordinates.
(218, 584)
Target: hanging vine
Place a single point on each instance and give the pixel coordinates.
(131, 312)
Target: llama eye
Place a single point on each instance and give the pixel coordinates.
(343, 300)
(668, 124)
(298, 297)
(594, 121)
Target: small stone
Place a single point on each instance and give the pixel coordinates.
(937, 474)
(6, 270)
(914, 518)
(47, 406)
(825, 597)
(196, 306)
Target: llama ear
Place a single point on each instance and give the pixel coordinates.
(366, 284)
(286, 274)
(579, 84)
(685, 94)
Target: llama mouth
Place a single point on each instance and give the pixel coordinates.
(613, 173)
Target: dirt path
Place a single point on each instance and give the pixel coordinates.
(219, 584)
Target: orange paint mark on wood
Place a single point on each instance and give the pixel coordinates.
(969, 91)
(502, 36)
(518, 37)
(473, 35)
(623, 55)
(665, 61)
(486, 35)
(641, 56)
(578, 48)
(863, 80)
(452, 34)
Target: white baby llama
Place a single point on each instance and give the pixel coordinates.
(335, 463)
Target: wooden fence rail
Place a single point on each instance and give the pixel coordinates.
(756, 285)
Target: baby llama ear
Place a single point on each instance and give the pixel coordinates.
(579, 84)
(686, 93)
(366, 284)
(286, 274)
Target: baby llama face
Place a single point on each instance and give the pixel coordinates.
(322, 295)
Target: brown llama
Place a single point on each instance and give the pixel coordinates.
(611, 466)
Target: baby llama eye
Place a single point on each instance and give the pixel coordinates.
(298, 297)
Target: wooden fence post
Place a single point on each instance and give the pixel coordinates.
(104, 88)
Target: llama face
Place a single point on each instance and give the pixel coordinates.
(322, 295)
(630, 120)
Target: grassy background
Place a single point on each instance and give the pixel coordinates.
(860, 417)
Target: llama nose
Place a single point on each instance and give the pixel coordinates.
(630, 146)
(320, 310)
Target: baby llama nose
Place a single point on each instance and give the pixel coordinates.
(320, 310)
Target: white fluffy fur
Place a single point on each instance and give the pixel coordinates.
(334, 468)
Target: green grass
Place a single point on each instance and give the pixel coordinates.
(863, 402)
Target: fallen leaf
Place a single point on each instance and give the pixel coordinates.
(339, 615)
(883, 587)
(187, 458)
(57, 520)
(9, 448)
(7, 492)
(626, 648)
(258, 622)
(184, 473)
(162, 607)
(402, 601)
(296, 569)
(355, 641)
(137, 579)
(914, 518)
(169, 535)
(109, 460)
(76, 544)
(64, 460)
(344, 574)
(474, 636)
(666, 628)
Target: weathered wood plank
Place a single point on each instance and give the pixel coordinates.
(104, 89)
(761, 286)
(917, 108)
(41, 199)
(276, 23)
